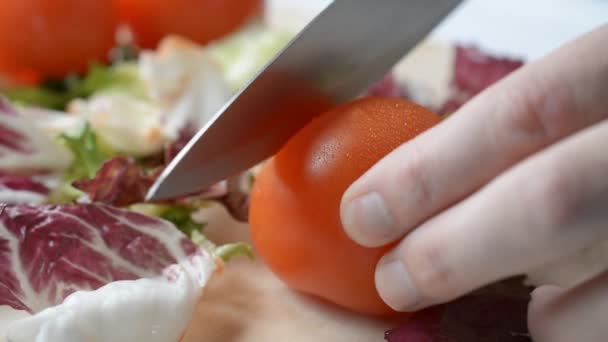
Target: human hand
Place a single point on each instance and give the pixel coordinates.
(515, 179)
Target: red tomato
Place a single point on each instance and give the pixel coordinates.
(198, 20)
(294, 213)
(54, 37)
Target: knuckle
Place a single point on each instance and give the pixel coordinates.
(429, 269)
(558, 201)
(524, 120)
(539, 111)
(415, 171)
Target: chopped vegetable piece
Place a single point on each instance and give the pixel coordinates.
(120, 181)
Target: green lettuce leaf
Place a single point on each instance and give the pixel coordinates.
(231, 250)
(38, 96)
(123, 77)
(56, 94)
(181, 216)
(245, 53)
(87, 152)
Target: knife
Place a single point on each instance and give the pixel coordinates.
(342, 51)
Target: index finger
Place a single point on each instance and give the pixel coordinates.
(535, 106)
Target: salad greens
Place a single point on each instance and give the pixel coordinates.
(231, 250)
(88, 155)
(181, 216)
(124, 115)
(244, 54)
(240, 55)
(56, 94)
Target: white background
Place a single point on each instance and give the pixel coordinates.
(522, 28)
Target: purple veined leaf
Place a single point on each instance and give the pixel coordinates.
(120, 181)
(49, 252)
(11, 138)
(172, 150)
(18, 189)
(98, 273)
(474, 71)
(25, 149)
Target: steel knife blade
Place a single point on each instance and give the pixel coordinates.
(342, 51)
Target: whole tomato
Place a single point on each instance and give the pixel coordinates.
(51, 38)
(295, 203)
(199, 20)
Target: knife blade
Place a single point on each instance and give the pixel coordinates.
(341, 52)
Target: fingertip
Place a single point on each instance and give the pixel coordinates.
(540, 305)
(367, 220)
(395, 285)
(546, 292)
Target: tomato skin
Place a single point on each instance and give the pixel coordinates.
(198, 20)
(295, 203)
(55, 37)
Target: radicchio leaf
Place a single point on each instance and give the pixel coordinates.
(172, 149)
(494, 314)
(474, 71)
(49, 252)
(24, 149)
(120, 181)
(17, 189)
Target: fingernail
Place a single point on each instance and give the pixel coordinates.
(367, 221)
(395, 286)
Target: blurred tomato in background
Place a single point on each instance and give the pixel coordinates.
(54, 37)
(42, 39)
(199, 20)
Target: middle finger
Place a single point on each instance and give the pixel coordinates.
(546, 207)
